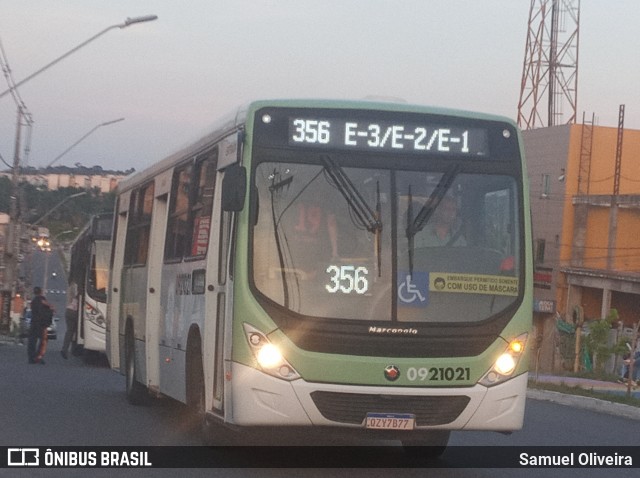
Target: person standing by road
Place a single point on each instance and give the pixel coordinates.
(626, 367)
(71, 318)
(41, 316)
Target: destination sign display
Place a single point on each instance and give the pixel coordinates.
(409, 137)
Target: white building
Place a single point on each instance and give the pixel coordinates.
(65, 177)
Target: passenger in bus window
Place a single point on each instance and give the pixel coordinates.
(443, 228)
(314, 229)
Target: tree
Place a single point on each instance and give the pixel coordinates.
(597, 340)
(36, 202)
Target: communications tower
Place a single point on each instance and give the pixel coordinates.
(549, 87)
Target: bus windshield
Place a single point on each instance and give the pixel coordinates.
(343, 242)
(99, 272)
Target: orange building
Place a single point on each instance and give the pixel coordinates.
(586, 221)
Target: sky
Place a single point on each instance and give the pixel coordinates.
(201, 59)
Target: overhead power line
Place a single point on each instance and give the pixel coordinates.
(6, 70)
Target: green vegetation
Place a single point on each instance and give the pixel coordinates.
(596, 341)
(583, 392)
(35, 202)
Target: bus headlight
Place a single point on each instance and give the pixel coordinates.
(506, 363)
(94, 315)
(268, 356)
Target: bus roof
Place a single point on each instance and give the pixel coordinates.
(236, 119)
(217, 131)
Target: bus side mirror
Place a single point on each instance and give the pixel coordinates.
(234, 188)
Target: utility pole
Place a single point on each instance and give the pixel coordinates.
(13, 233)
(578, 318)
(632, 358)
(615, 198)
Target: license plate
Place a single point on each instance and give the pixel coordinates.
(390, 421)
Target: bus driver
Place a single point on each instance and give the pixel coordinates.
(443, 229)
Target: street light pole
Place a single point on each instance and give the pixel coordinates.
(63, 233)
(10, 253)
(126, 23)
(58, 205)
(82, 139)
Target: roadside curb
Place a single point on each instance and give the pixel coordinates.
(586, 403)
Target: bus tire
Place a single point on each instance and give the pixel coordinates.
(136, 392)
(196, 405)
(194, 374)
(428, 446)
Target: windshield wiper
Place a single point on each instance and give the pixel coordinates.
(276, 186)
(364, 215)
(273, 188)
(367, 217)
(422, 218)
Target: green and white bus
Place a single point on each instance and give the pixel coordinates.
(291, 270)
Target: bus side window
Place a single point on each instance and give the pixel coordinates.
(139, 226)
(190, 207)
(201, 210)
(178, 232)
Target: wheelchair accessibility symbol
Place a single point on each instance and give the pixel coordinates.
(413, 290)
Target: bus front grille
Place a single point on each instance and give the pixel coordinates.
(352, 408)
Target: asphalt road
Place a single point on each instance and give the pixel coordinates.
(81, 403)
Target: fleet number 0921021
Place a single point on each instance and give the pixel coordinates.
(437, 374)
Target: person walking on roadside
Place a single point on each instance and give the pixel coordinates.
(628, 358)
(41, 316)
(71, 318)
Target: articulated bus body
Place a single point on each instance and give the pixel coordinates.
(89, 269)
(293, 269)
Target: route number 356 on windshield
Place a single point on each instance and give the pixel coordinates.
(347, 279)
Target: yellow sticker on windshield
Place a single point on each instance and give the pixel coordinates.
(473, 283)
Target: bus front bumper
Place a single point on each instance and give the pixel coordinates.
(262, 400)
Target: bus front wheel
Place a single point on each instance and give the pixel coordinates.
(210, 433)
(430, 446)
